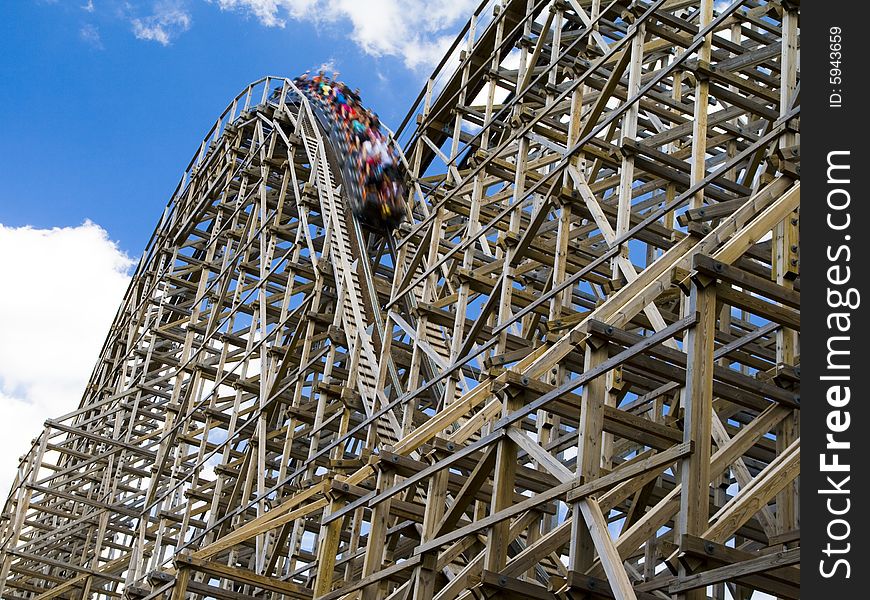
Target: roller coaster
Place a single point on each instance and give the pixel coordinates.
(571, 371)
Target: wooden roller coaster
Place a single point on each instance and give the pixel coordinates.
(572, 373)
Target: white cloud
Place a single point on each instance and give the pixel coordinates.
(328, 67)
(418, 31)
(169, 20)
(90, 34)
(61, 288)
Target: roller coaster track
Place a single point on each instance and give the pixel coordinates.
(573, 373)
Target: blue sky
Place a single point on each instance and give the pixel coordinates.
(106, 100)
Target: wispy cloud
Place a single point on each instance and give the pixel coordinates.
(417, 31)
(167, 22)
(90, 34)
(328, 67)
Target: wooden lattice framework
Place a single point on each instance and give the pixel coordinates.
(574, 374)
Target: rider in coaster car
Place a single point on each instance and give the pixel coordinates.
(381, 189)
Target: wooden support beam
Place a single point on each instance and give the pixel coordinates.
(697, 400)
(607, 553)
(737, 570)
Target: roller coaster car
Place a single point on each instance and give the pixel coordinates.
(375, 191)
(380, 204)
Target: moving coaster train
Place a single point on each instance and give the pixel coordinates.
(370, 165)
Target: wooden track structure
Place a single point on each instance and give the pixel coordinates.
(574, 374)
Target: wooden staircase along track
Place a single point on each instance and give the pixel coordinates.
(573, 373)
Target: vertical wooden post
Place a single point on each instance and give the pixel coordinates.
(629, 131)
(702, 98)
(582, 548)
(785, 269)
(179, 592)
(502, 489)
(698, 405)
(327, 551)
(374, 556)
